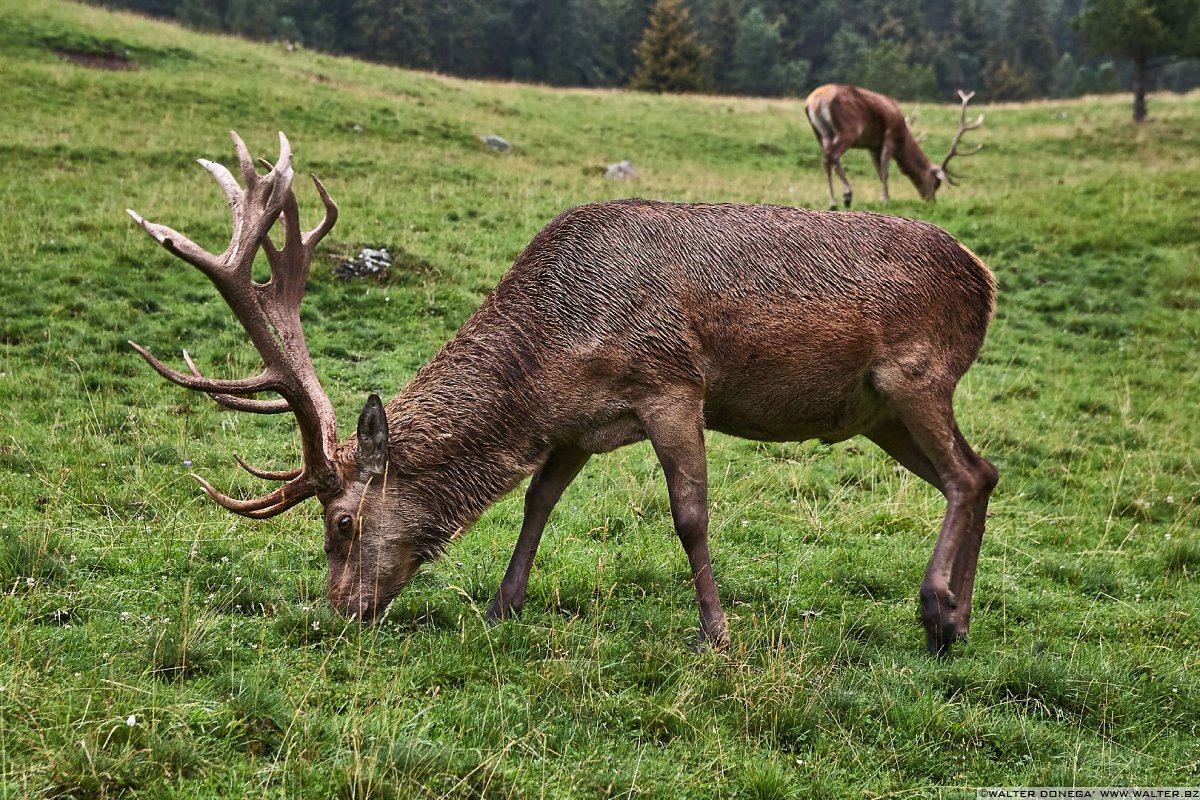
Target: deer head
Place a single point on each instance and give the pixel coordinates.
(365, 515)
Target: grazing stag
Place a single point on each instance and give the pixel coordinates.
(620, 321)
(844, 116)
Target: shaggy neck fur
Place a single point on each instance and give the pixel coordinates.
(461, 432)
(914, 163)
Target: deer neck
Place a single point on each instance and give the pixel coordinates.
(914, 163)
(465, 431)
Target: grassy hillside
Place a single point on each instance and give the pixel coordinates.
(151, 642)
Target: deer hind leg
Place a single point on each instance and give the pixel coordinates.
(925, 438)
(847, 194)
(882, 159)
(829, 179)
(676, 430)
(544, 491)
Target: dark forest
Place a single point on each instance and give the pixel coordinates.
(912, 49)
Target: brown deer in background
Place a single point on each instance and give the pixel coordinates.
(620, 321)
(844, 116)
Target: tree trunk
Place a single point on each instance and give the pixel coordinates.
(1139, 90)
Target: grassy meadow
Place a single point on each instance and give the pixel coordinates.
(152, 644)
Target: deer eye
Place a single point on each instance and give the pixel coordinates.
(345, 523)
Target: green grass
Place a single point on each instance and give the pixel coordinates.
(129, 597)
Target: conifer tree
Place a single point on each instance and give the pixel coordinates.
(670, 56)
(722, 27)
(756, 54)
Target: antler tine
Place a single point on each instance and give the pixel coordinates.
(276, 406)
(249, 173)
(962, 117)
(176, 243)
(282, 171)
(224, 179)
(269, 474)
(263, 382)
(331, 215)
(268, 505)
(279, 175)
(314, 236)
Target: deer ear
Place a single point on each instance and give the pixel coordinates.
(373, 437)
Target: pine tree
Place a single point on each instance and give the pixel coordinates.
(670, 56)
(391, 32)
(722, 38)
(1030, 42)
(969, 45)
(756, 54)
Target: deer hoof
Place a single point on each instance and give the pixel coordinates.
(713, 636)
(497, 613)
(846, 198)
(705, 643)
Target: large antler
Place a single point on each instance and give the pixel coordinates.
(963, 127)
(270, 313)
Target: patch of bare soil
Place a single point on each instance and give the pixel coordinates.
(109, 61)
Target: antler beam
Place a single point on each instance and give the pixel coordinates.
(963, 127)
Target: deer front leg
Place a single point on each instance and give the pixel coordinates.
(925, 439)
(676, 430)
(966, 560)
(545, 489)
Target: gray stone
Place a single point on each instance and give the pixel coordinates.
(495, 143)
(621, 171)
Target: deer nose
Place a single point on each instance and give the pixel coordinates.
(363, 609)
(339, 596)
(366, 611)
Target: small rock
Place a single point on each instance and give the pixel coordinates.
(621, 171)
(495, 143)
(369, 262)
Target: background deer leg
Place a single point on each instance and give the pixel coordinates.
(848, 194)
(828, 162)
(926, 440)
(545, 489)
(832, 151)
(882, 159)
(677, 434)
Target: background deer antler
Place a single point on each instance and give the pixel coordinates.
(963, 127)
(270, 314)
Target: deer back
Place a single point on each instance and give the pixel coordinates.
(756, 303)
